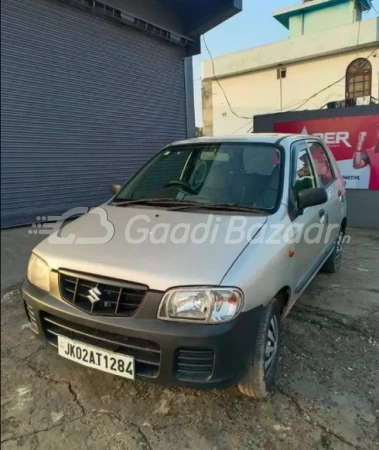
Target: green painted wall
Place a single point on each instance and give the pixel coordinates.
(296, 25)
(323, 19)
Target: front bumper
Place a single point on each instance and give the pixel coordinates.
(169, 353)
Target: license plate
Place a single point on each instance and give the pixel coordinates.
(96, 358)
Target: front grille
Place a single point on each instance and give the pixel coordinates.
(101, 296)
(146, 353)
(194, 363)
(31, 317)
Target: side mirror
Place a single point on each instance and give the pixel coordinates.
(311, 197)
(115, 188)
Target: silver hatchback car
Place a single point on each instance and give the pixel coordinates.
(184, 276)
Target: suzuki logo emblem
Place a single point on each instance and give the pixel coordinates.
(94, 295)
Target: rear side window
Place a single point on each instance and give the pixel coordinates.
(323, 166)
(304, 176)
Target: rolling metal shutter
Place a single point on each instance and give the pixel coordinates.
(85, 102)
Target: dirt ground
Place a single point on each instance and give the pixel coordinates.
(327, 394)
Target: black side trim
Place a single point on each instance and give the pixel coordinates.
(313, 271)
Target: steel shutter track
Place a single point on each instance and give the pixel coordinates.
(85, 102)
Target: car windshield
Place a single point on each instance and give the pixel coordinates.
(246, 175)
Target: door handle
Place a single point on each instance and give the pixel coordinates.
(321, 214)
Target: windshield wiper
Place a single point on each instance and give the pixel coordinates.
(154, 201)
(222, 207)
(180, 205)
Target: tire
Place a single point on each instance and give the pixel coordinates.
(258, 382)
(333, 263)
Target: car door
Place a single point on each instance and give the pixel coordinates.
(327, 179)
(308, 243)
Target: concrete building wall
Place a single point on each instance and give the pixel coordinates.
(335, 41)
(207, 104)
(322, 19)
(260, 92)
(296, 25)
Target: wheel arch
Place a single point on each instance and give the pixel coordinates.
(283, 296)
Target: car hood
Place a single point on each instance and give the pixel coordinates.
(127, 243)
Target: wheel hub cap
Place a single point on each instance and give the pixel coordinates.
(271, 344)
(339, 245)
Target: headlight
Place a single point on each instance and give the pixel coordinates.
(206, 305)
(39, 272)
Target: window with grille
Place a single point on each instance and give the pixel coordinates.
(358, 78)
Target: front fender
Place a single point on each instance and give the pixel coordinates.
(264, 268)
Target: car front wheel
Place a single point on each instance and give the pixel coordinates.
(259, 379)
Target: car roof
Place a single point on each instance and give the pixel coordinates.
(255, 138)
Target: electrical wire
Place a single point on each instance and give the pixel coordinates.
(220, 85)
(342, 78)
(279, 111)
(292, 104)
(373, 7)
(302, 103)
(240, 128)
(330, 85)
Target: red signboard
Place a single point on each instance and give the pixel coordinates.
(354, 142)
